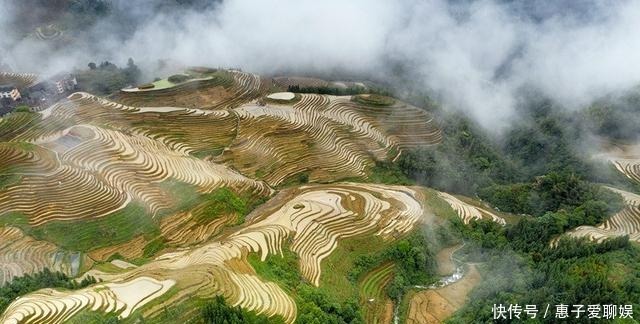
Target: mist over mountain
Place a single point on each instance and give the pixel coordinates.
(474, 55)
(302, 161)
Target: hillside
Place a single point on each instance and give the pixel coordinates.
(167, 179)
(293, 207)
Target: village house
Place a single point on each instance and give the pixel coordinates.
(37, 96)
(45, 93)
(9, 92)
(65, 83)
(9, 95)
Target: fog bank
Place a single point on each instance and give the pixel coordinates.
(474, 55)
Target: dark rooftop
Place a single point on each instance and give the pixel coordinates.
(6, 87)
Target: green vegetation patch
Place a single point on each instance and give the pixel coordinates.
(86, 235)
(338, 267)
(22, 108)
(218, 311)
(15, 219)
(339, 91)
(108, 267)
(374, 100)
(207, 311)
(201, 154)
(387, 173)
(578, 272)
(179, 78)
(185, 196)
(414, 260)
(107, 78)
(7, 180)
(295, 179)
(153, 247)
(372, 285)
(551, 192)
(373, 297)
(199, 310)
(220, 202)
(338, 298)
(315, 305)
(115, 228)
(88, 316)
(282, 269)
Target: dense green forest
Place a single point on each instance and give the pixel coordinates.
(107, 78)
(216, 311)
(536, 170)
(517, 271)
(546, 139)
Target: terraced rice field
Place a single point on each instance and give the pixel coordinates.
(101, 171)
(625, 222)
(21, 254)
(468, 212)
(228, 89)
(51, 306)
(20, 80)
(377, 307)
(624, 157)
(315, 218)
(325, 136)
(435, 306)
(49, 32)
(328, 137)
(189, 228)
(629, 167)
(86, 160)
(321, 215)
(181, 129)
(131, 249)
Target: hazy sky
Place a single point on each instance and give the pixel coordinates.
(474, 54)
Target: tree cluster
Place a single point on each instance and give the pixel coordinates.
(414, 260)
(31, 282)
(106, 78)
(217, 311)
(336, 91)
(577, 272)
(551, 192)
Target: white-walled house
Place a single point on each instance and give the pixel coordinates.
(65, 83)
(9, 92)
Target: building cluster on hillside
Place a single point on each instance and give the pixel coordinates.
(9, 96)
(45, 93)
(37, 96)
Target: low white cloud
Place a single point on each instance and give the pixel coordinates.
(475, 55)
